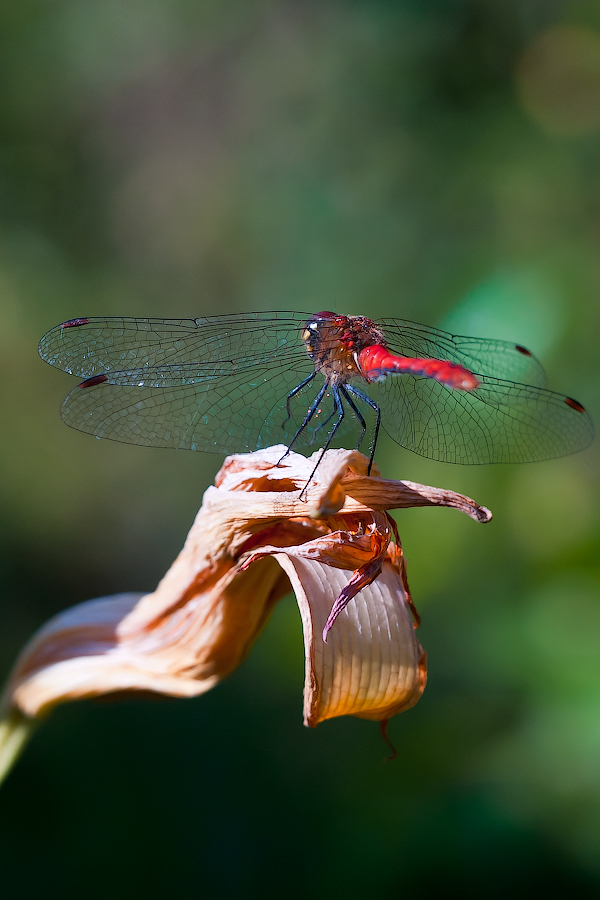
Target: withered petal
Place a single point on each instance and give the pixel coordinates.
(251, 539)
(362, 577)
(373, 665)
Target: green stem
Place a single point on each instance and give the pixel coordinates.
(15, 730)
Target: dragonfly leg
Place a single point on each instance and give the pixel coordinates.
(323, 424)
(293, 394)
(311, 411)
(340, 410)
(373, 405)
(356, 412)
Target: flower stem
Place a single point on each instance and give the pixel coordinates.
(15, 730)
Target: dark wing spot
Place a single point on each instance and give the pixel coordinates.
(73, 323)
(523, 350)
(574, 404)
(95, 379)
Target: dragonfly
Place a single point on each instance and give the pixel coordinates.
(235, 383)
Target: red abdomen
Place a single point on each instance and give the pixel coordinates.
(376, 362)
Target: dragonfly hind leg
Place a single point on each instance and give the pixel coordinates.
(340, 410)
(357, 413)
(355, 391)
(323, 424)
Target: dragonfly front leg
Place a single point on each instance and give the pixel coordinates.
(311, 411)
(293, 394)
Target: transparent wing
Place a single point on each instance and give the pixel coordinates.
(497, 359)
(496, 423)
(88, 347)
(222, 383)
(227, 412)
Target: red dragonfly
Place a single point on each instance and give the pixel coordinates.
(242, 382)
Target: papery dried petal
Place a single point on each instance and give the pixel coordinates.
(361, 577)
(380, 493)
(373, 666)
(344, 550)
(341, 549)
(253, 536)
(123, 643)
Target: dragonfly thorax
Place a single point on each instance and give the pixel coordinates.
(334, 342)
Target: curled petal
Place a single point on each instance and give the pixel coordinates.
(380, 493)
(373, 666)
(253, 536)
(341, 549)
(362, 577)
(108, 645)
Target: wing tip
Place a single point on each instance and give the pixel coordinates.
(523, 350)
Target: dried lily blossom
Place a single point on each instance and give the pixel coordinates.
(253, 539)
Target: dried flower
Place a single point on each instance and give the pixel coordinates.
(253, 539)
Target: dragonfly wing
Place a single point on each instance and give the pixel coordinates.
(88, 347)
(497, 422)
(484, 357)
(227, 412)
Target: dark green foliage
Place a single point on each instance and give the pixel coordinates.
(188, 158)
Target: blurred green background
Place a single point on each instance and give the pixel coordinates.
(430, 159)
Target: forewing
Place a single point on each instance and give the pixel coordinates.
(229, 412)
(88, 347)
(497, 422)
(496, 359)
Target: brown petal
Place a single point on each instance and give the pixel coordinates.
(104, 646)
(380, 493)
(341, 549)
(363, 552)
(372, 666)
(199, 623)
(361, 577)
